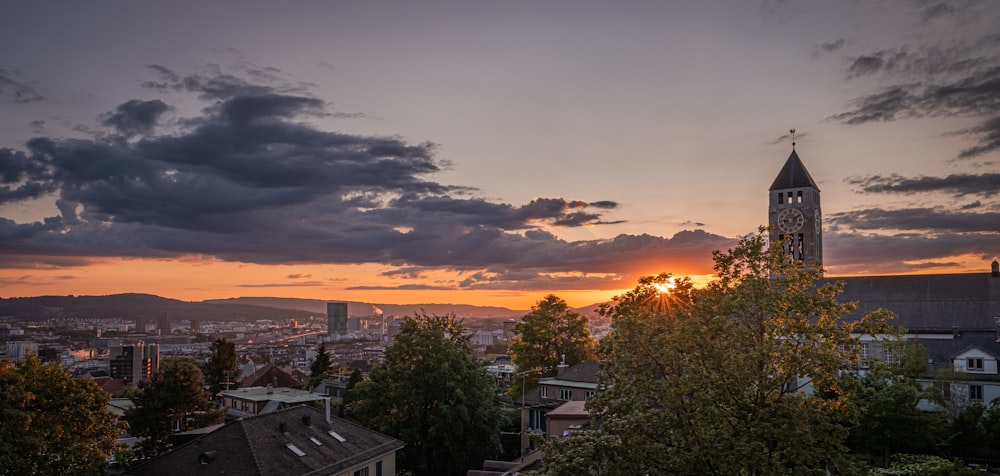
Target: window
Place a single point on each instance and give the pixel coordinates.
(864, 355)
(974, 364)
(296, 450)
(945, 388)
(781, 197)
(565, 394)
(588, 394)
(361, 472)
(337, 436)
(536, 420)
(315, 441)
(975, 393)
(378, 468)
(545, 391)
(798, 197)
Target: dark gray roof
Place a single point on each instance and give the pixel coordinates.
(941, 351)
(793, 175)
(257, 446)
(928, 302)
(585, 371)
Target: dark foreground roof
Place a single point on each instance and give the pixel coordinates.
(929, 302)
(258, 446)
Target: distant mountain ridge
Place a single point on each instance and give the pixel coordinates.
(151, 307)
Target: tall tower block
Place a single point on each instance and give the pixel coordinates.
(336, 318)
(794, 212)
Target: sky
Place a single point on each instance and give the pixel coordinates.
(482, 152)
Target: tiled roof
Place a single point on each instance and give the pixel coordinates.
(260, 446)
(928, 302)
(581, 372)
(793, 175)
(270, 374)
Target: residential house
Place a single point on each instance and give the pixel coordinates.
(249, 401)
(574, 383)
(299, 440)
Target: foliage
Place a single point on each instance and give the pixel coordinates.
(889, 420)
(319, 367)
(52, 423)
(174, 398)
(923, 465)
(544, 336)
(742, 377)
(434, 395)
(976, 431)
(220, 370)
(352, 381)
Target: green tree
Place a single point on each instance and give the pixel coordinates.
(220, 370)
(741, 377)
(544, 336)
(52, 423)
(888, 418)
(173, 399)
(434, 395)
(319, 367)
(352, 381)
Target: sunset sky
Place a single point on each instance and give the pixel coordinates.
(482, 152)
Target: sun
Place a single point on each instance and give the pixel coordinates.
(665, 287)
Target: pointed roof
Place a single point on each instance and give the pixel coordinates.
(793, 175)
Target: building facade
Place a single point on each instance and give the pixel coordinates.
(134, 362)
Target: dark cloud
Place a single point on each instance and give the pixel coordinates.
(37, 126)
(936, 10)
(944, 80)
(300, 284)
(934, 220)
(831, 46)
(987, 184)
(16, 89)
(250, 180)
(135, 116)
(299, 276)
(862, 253)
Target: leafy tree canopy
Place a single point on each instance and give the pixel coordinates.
(220, 370)
(53, 423)
(319, 367)
(741, 377)
(173, 399)
(550, 332)
(434, 395)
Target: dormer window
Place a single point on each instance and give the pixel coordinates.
(974, 364)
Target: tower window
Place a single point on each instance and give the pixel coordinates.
(781, 197)
(798, 197)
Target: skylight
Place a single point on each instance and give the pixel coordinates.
(314, 440)
(296, 450)
(337, 436)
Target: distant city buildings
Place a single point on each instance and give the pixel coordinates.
(131, 363)
(336, 318)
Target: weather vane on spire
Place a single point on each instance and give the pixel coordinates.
(792, 131)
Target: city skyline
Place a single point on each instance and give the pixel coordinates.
(488, 154)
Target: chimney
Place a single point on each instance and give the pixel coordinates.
(281, 427)
(562, 366)
(328, 419)
(996, 270)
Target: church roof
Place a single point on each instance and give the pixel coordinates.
(793, 175)
(928, 302)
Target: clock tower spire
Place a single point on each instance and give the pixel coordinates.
(794, 212)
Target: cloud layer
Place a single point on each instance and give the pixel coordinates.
(249, 179)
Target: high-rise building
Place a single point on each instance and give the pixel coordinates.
(336, 318)
(132, 363)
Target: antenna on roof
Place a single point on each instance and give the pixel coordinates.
(792, 131)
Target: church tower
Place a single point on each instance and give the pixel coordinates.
(793, 212)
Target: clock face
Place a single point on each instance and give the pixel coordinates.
(790, 220)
